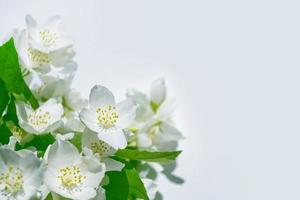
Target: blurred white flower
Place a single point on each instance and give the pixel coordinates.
(92, 145)
(153, 122)
(46, 118)
(71, 175)
(107, 118)
(20, 174)
(48, 37)
(161, 136)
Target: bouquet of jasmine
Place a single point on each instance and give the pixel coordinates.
(57, 145)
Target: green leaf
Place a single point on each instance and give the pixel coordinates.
(161, 157)
(4, 98)
(136, 186)
(49, 197)
(40, 142)
(125, 185)
(118, 187)
(4, 134)
(11, 113)
(10, 73)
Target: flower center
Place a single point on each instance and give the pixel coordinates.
(107, 116)
(39, 118)
(70, 177)
(18, 133)
(100, 148)
(38, 58)
(11, 181)
(47, 37)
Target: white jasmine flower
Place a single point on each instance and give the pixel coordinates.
(71, 175)
(107, 118)
(35, 60)
(46, 118)
(48, 37)
(20, 174)
(153, 121)
(161, 136)
(92, 145)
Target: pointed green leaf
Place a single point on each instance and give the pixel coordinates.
(161, 157)
(136, 186)
(4, 134)
(11, 113)
(125, 185)
(4, 98)
(10, 73)
(118, 188)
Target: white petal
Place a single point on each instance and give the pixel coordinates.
(65, 137)
(61, 154)
(89, 118)
(166, 109)
(27, 127)
(74, 100)
(158, 91)
(100, 96)
(127, 111)
(143, 140)
(53, 127)
(53, 23)
(22, 111)
(55, 108)
(29, 192)
(32, 166)
(9, 157)
(89, 137)
(113, 165)
(100, 194)
(93, 170)
(30, 22)
(115, 139)
(170, 132)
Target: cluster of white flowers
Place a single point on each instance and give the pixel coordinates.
(140, 121)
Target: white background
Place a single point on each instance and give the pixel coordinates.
(232, 65)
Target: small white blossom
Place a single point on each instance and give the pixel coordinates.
(38, 61)
(153, 122)
(107, 118)
(20, 174)
(46, 118)
(92, 145)
(48, 37)
(71, 175)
